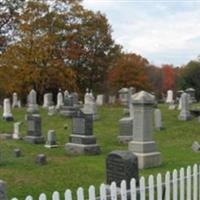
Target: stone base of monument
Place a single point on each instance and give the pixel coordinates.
(34, 139)
(6, 136)
(146, 154)
(125, 130)
(68, 111)
(185, 116)
(126, 111)
(80, 149)
(8, 118)
(32, 108)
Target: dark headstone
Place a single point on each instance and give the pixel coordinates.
(3, 195)
(17, 152)
(121, 165)
(41, 159)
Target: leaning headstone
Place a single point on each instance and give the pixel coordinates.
(100, 100)
(143, 145)
(41, 159)
(34, 134)
(16, 133)
(185, 113)
(82, 140)
(158, 119)
(121, 165)
(7, 114)
(14, 100)
(196, 146)
(169, 97)
(125, 130)
(51, 139)
(32, 102)
(59, 100)
(48, 100)
(17, 152)
(3, 193)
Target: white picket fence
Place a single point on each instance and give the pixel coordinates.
(178, 185)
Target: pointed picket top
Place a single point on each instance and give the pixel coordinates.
(143, 97)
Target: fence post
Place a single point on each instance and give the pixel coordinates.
(3, 194)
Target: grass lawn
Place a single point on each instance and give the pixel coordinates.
(63, 172)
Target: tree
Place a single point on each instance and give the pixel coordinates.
(189, 77)
(129, 70)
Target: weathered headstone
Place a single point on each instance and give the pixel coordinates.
(196, 146)
(191, 92)
(143, 145)
(51, 139)
(34, 134)
(112, 99)
(15, 100)
(125, 130)
(180, 104)
(82, 140)
(100, 100)
(131, 91)
(41, 159)
(7, 114)
(3, 193)
(158, 119)
(51, 110)
(59, 100)
(169, 98)
(48, 100)
(32, 102)
(123, 96)
(17, 152)
(121, 165)
(185, 113)
(16, 133)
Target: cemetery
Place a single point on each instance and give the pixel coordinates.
(99, 100)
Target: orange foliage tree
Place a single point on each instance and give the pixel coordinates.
(129, 70)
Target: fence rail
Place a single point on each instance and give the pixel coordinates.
(178, 185)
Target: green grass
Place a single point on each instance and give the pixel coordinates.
(62, 172)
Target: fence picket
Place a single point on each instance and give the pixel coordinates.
(68, 195)
(142, 188)
(42, 197)
(123, 190)
(91, 191)
(80, 194)
(151, 187)
(159, 186)
(113, 191)
(167, 186)
(175, 184)
(195, 182)
(188, 191)
(103, 192)
(133, 189)
(182, 184)
(56, 196)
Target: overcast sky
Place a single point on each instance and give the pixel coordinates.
(162, 31)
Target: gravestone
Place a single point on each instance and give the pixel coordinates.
(169, 98)
(143, 145)
(180, 104)
(15, 100)
(3, 193)
(51, 110)
(34, 134)
(32, 102)
(17, 153)
(191, 92)
(51, 139)
(123, 96)
(82, 140)
(100, 100)
(121, 165)
(185, 113)
(41, 159)
(7, 114)
(112, 99)
(16, 133)
(158, 119)
(48, 100)
(196, 146)
(131, 91)
(125, 130)
(59, 100)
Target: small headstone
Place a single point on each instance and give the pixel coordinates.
(7, 114)
(3, 193)
(112, 99)
(5, 136)
(51, 139)
(32, 102)
(100, 100)
(59, 100)
(14, 100)
(17, 152)
(51, 110)
(34, 134)
(124, 96)
(196, 146)
(48, 100)
(191, 92)
(121, 165)
(185, 113)
(169, 98)
(158, 119)
(16, 132)
(41, 159)
(172, 106)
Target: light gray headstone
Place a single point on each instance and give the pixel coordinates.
(51, 139)
(158, 119)
(14, 100)
(7, 114)
(48, 100)
(196, 146)
(32, 102)
(60, 102)
(100, 100)
(16, 133)
(169, 97)
(51, 110)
